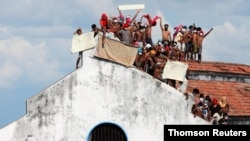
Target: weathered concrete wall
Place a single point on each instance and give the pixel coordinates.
(101, 91)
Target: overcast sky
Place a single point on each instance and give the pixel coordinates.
(36, 35)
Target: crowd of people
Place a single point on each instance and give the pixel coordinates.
(182, 45)
(185, 44)
(211, 109)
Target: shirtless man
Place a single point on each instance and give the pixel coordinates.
(95, 29)
(151, 23)
(195, 44)
(200, 38)
(140, 35)
(187, 39)
(140, 60)
(149, 61)
(175, 52)
(166, 34)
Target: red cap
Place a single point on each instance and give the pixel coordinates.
(215, 101)
(104, 16)
(125, 25)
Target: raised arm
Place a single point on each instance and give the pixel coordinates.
(141, 18)
(207, 33)
(120, 13)
(138, 11)
(161, 24)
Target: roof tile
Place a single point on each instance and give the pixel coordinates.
(238, 94)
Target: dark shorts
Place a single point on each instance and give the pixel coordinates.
(149, 41)
(188, 47)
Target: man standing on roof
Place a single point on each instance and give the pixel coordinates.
(195, 44)
(151, 23)
(139, 35)
(188, 43)
(78, 33)
(200, 38)
(166, 34)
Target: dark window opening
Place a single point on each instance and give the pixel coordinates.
(107, 132)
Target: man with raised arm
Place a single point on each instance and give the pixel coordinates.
(200, 39)
(166, 34)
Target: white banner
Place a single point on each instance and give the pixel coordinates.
(82, 42)
(131, 7)
(175, 70)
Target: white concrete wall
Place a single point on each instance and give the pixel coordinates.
(101, 91)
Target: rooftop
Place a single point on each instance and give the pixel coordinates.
(218, 79)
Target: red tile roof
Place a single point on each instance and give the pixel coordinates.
(220, 67)
(237, 93)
